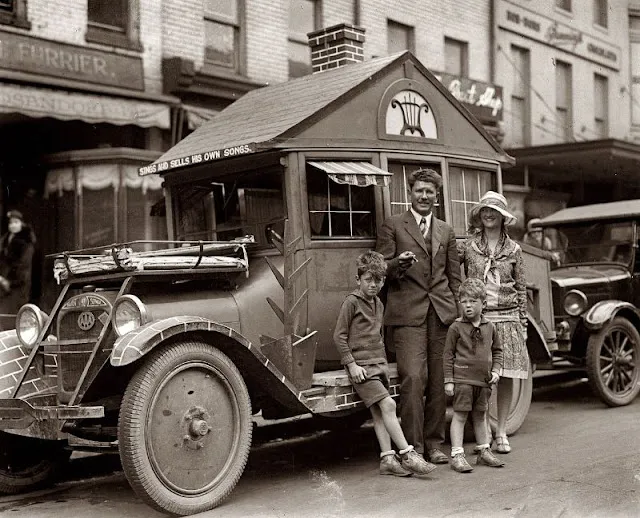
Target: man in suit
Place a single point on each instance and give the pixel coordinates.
(422, 280)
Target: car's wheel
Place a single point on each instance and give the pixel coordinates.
(185, 428)
(27, 464)
(613, 367)
(519, 407)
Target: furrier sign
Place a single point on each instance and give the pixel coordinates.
(197, 158)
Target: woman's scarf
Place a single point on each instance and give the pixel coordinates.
(481, 245)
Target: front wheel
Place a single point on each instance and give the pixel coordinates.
(612, 362)
(185, 428)
(519, 407)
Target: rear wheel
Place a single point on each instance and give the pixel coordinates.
(612, 362)
(27, 463)
(185, 428)
(520, 403)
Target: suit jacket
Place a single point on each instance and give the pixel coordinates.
(411, 290)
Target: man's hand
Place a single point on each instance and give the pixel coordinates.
(407, 258)
(494, 378)
(448, 389)
(357, 373)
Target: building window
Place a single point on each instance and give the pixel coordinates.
(601, 13)
(399, 187)
(456, 57)
(520, 100)
(564, 114)
(304, 17)
(114, 22)
(466, 186)
(601, 105)
(634, 42)
(338, 210)
(399, 37)
(222, 33)
(564, 4)
(14, 12)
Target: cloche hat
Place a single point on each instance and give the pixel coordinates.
(493, 200)
(15, 214)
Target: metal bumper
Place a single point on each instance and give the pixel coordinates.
(18, 414)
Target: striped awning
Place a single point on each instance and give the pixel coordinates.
(360, 174)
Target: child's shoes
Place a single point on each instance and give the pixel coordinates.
(459, 463)
(390, 465)
(415, 463)
(486, 457)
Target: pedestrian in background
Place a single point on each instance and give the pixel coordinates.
(16, 255)
(358, 338)
(493, 257)
(472, 364)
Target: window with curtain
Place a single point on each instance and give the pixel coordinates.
(564, 4)
(466, 186)
(399, 187)
(564, 113)
(114, 22)
(601, 13)
(601, 105)
(520, 100)
(222, 33)
(303, 18)
(456, 57)
(399, 37)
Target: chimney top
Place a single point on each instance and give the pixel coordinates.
(336, 46)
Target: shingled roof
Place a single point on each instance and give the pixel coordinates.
(265, 113)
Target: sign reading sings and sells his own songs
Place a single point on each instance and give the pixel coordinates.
(197, 158)
(44, 57)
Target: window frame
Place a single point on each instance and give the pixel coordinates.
(464, 56)
(15, 15)
(238, 25)
(604, 119)
(409, 31)
(564, 5)
(299, 38)
(526, 98)
(601, 13)
(128, 38)
(567, 131)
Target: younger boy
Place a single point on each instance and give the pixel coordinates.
(358, 337)
(472, 363)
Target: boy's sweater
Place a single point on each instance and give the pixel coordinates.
(358, 334)
(469, 363)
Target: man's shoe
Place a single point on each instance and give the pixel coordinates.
(389, 465)
(459, 463)
(415, 463)
(437, 457)
(486, 457)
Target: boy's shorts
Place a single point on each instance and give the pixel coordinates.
(467, 398)
(376, 387)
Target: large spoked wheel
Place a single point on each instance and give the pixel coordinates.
(612, 362)
(185, 428)
(519, 407)
(27, 464)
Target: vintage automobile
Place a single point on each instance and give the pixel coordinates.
(596, 294)
(164, 352)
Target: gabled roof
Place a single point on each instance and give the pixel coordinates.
(599, 211)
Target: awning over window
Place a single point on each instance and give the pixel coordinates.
(59, 104)
(197, 115)
(360, 174)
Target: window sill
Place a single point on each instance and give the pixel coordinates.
(15, 21)
(111, 39)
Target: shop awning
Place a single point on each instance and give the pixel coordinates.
(360, 174)
(63, 105)
(197, 115)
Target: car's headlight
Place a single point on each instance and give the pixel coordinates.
(129, 313)
(575, 302)
(29, 322)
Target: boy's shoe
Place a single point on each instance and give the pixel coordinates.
(459, 463)
(437, 457)
(486, 457)
(415, 463)
(390, 465)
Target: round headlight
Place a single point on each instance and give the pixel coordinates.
(575, 302)
(129, 313)
(29, 323)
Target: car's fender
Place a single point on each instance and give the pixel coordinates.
(604, 311)
(253, 364)
(537, 342)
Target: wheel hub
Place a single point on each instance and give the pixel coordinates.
(197, 427)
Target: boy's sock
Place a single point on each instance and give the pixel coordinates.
(385, 453)
(455, 450)
(482, 447)
(406, 450)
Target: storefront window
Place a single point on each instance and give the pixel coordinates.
(399, 187)
(98, 208)
(466, 186)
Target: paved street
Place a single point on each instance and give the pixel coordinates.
(573, 457)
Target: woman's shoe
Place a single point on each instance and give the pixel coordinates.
(502, 444)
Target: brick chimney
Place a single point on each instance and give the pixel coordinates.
(336, 46)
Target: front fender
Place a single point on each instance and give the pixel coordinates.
(605, 311)
(537, 342)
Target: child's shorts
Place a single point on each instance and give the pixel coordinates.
(376, 387)
(470, 397)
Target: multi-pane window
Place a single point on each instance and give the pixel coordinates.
(520, 104)
(466, 186)
(303, 19)
(399, 37)
(14, 12)
(564, 115)
(112, 15)
(222, 33)
(634, 42)
(399, 187)
(601, 104)
(564, 4)
(339, 210)
(601, 13)
(113, 22)
(456, 57)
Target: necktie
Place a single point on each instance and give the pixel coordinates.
(423, 227)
